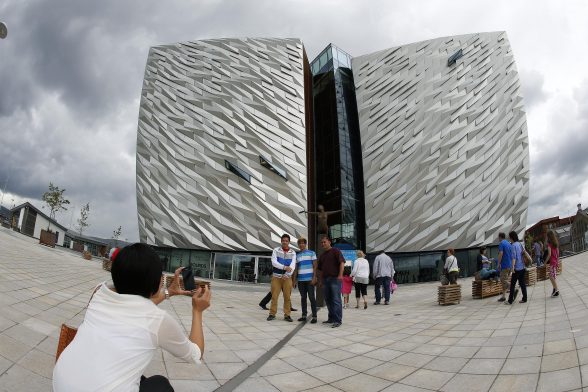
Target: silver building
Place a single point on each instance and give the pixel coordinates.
(221, 144)
(444, 143)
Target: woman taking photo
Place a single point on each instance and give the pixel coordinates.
(123, 327)
(361, 278)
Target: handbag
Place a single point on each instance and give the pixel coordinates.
(67, 333)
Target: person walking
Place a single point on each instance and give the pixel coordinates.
(553, 260)
(361, 278)
(305, 278)
(382, 274)
(504, 263)
(537, 253)
(518, 268)
(346, 285)
(283, 263)
(451, 267)
(330, 269)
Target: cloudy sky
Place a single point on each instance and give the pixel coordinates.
(71, 75)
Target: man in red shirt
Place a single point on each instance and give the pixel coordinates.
(330, 270)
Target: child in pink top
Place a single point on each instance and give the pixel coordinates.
(346, 286)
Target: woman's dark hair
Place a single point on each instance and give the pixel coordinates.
(137, 270)
(513, 236)
(347, 271)
(482, 250)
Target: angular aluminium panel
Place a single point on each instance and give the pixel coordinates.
(221, 144)
(444, 141)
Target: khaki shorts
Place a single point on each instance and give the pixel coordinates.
(504, 275)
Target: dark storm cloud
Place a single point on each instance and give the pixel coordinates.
(71, 75)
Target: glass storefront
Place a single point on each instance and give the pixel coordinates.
(264, 268)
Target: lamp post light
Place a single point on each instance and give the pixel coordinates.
(3, 30)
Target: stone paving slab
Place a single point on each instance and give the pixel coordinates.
(411, 345)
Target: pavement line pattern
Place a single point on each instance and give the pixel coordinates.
(251, 369)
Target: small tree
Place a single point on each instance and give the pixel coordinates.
(115, 234)
(83, 219)
(55, 201)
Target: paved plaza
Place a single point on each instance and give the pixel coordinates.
(411, 345)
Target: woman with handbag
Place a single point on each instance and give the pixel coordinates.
(123, 328)
(361, 278)
(451, 267)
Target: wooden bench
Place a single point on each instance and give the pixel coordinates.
(449, 294)
(531, 276)
(486, 288)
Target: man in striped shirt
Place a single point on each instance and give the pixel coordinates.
(283, 263)
(305, 277)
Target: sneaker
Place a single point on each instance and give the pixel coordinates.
(313, 320)
(556, 294)
(303, 318)
(386, 303)
(270, 317)
(365, 305)
(293, 310)
(501, 299)
(336, 325)
(376, 303)
(328, 322)
(263, 307)
(522, 301)
(288, 319)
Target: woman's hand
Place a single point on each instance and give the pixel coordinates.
(174, 287)
(201, 299)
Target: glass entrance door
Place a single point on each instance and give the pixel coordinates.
(223, 266)
(244, 268)
(264, 269)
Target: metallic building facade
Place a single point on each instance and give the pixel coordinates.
(444, 143)
(221, 144)
(227, 156)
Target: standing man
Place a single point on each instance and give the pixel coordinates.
(504, 263)
(305, 277)
(383, 273)
(537, 253)
(283, 263)
(330, 268)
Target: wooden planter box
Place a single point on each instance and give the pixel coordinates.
(486, 288)
(47, 238)
(87, 255)
(106, 264)
(449, 294)
(531, 276)
(542, 273)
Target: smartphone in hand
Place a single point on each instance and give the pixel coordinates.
(188, 277)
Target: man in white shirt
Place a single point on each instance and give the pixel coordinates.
(382, 273)
(283, 263)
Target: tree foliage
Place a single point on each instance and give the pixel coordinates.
(83, 219)
(55, 201)
(115, 234)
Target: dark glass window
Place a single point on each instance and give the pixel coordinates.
(280, 171)
(238, 171)
(454, 57)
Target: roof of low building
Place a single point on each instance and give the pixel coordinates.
(39, 212)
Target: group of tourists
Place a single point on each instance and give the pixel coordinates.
(511, 265)
(328, 272)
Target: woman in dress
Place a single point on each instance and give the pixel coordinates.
(553, 257)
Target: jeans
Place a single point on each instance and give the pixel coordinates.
(306, 289)
(383, 281)
(332, 294)
(520, 276)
